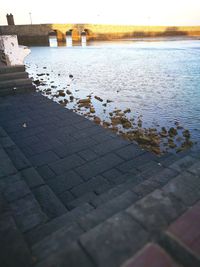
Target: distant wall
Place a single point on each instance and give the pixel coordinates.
(38, 34)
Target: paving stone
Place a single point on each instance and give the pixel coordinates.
(151, 255)
(145, 188)
(40, 232)
(150, 168)
(186, 187)
(84, 124)
(163, 176)
(99, 165)
(115, 238)
(136, 162)
(111, 175)
(88, 186)
(56, 241)
(13, 249)
(13, 188)
(186, 229)
(63, 165)
(74, 256)
(101, 135)
(103, 188)
(183, 163)
(66, 197)
(107, 209)
(18, 158)
(27, 213)
(2, 132)
(64, 182)
(88, 154)
(71, 148)
(129, 182)
(43, 158)
(129, 152)
(7, 166)
(31, 177)
(156, 210)
(83, 199)
(50, 204)
(6, 142)
(195, 169)
(109, 145)
(45, 172)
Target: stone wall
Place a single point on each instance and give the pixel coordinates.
(38, 34)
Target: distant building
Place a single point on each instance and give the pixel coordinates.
(10, 19)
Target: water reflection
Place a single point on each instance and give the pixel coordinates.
(53, 41)
(69, 40)
(83, 41)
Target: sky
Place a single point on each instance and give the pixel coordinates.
(132, 12)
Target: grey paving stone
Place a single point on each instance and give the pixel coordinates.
(112, 174)
(107, 209)
(78, 201)
(43, 158)
(195, 169)
(149, 168)
(63, 165)
(45, 172)
(163, 176)
(40, 232)
(13, 187)
(145, 187)
(31, 177)
(27, 213)
(2, 132)
(13, 249)
(99, 165)
(129, 152)
(186, 187)
(108, 146)
(73, 256)
(18, 158)
(66, 197)
(49, 202)
(64, 182)
(96, 133)
(129, 182)
(56, 241)
(7, 166)
(136, 162)
(183, 163)
(88, 155)
(71, 148)
(102, 136)
(103, 188)
(6, 142)
(156, 210)
(88, 186)
(119, 238)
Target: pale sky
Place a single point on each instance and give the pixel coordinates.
(133, 12)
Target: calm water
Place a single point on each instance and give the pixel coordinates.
(159, 80)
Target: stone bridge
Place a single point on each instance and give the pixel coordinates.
(38, 34)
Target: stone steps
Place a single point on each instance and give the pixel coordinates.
(14, 79)
(17, 83)
(44, 248)
(12, 69)
(13, 76)
(108, 204)
(13, 248)
(154, 212)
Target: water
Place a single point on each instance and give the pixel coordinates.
(158, 80)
